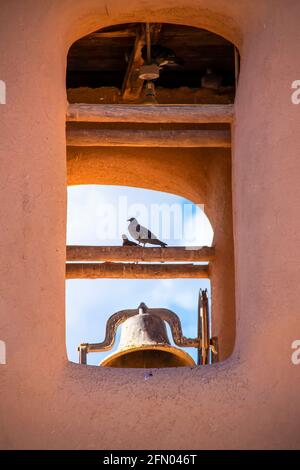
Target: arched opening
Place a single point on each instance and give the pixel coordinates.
(186, 65)
(97, 217)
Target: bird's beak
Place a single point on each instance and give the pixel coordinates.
(128, 220)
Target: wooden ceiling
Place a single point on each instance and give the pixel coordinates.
(111, 57)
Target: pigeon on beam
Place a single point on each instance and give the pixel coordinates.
(127, 242)
(211, 80)
(142, 234)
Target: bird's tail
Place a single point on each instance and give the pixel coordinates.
(163, 244)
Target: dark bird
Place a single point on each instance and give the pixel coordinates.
(142, 234)
(211, 80)
(127, 242)
(162, 56)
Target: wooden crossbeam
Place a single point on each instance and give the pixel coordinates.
(135, 254)
(135, 271)
(148, 138)
(157, 114)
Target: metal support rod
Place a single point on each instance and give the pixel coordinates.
(199, 326)
(208, 345)
(205, 329)
(214, 350)
(148, 41)
(83, 350)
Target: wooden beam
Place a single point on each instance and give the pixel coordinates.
(132, 84)
(135, 271)
(136, 253)
(157, 114)
(147, 138)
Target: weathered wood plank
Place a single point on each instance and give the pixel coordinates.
(147, 138)
(124, 33)
(157, 114)
(135, 271)
(136, 253)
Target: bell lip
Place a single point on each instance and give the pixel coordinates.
(161, 347)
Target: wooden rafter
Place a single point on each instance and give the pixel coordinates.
(146, 138)
(135, 271)
(132, 84)
(135, 254)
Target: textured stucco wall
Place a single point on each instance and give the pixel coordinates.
(249, 400)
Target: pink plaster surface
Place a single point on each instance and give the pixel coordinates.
(252, 399)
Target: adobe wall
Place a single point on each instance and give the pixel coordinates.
(250, 400)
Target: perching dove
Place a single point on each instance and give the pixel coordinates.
(211, 80)
(127, 242)
(142, 234)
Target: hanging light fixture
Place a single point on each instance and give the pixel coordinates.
(150, 97)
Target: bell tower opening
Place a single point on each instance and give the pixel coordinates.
(97, 217)
(150, 107)
(156, 63)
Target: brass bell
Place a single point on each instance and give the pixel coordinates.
(144, 343)
(144, 340)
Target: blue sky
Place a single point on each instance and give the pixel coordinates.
(97, 216)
